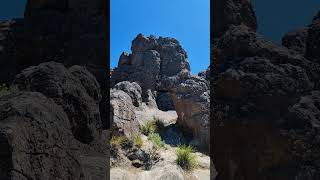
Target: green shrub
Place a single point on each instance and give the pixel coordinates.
(137, 140)
(119, 140)
(156, 140)
(153, 126)
(185, 157)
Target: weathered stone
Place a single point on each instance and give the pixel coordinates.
(192, 101)
(122, 113)
(132, 89)
(55, 81)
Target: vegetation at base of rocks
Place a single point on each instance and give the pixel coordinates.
(3, 89)
(185, 157)
(156, 139)
(137, 140)
(153, 126)
(119, 140)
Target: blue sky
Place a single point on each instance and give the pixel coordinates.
(188, 21)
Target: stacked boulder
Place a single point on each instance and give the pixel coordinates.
(160, 67)
(257, 114)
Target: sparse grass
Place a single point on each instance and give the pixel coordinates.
(155, 138)
(153, 126)
(119, 140)
(137, 140)
(185, 157)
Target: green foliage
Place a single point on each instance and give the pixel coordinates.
(153, 126)
(119, 140)
(137, 140)
(156, 140)
(185, 157)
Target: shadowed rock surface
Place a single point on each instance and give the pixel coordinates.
(55, 81)
(264, 110)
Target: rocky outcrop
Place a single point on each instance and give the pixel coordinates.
(122, 115)
(132, 89)
(258, 87)
(37, 141)
(70, 32)
(296, 40)
(226, 13)
(152, 60)
(192, 102)
(81, 103)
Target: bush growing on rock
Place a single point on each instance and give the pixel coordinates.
(119, 140)
(153, 126)
(185, 157)
(156, 140)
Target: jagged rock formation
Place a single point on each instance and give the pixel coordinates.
(226, 13)
(71, 32)
(152, 60)
(260, 125)
(160, 66)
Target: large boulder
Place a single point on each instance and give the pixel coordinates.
(191, 99)
(122, 115)
(132, 89)
(152, 59)
(35, 139)
(232, 12)
(79, 96)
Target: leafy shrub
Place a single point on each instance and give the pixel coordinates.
(137, 140)
(119, 140)
(185, 157)
(156, 140)
(153, 126)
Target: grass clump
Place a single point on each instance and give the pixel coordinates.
(153, 126)
(119, 140)
(137, 140)
(155, 138)
(185, 157)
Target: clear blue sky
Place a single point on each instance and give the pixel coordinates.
(188, 21)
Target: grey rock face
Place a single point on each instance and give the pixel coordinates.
(132, 89)
(232, 12)
(36, 141)
(152, 59)
(192, 102)
(80, 102)
(122, 113)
